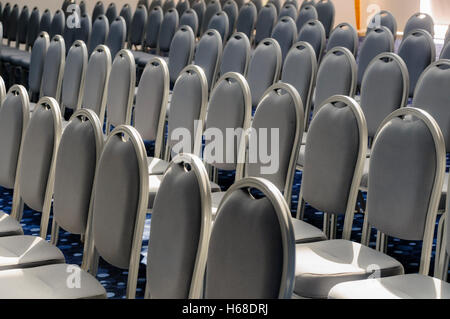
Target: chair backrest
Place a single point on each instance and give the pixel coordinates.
(187, 111)
(137, 26)
(344, 35)
(285, 32)
(306, 13)
(58, 24)
(155, 18)
(33, 27)
(167, 30)
(267, 19)
(96, 81)
(277, 5)
(121, 86)
(127, 16)
(418, 51)
(182, 6)
(190, 19)
(53, 70)
(337, 75)
(300, 70)
(238, 265)
(420, 21)
(143, 2)
(313, 32)
(264, 68)
(181, 51)
(111, 12)
(37, 59)
(229, 108)
(167, 5)
(326, 12)
(220, 23)
(14, 117)
(73, 79)
(154, 4)
(78, 152)
(151, 103)
(431, 96)
(212, 7)
(120, 205)
(5, 19)
(82, 6)
(277, 126)
(288, 10)
(231, 9)
(236, 55)
(100, 30)
(383, 18)
(292, 2)
(13, 23)
(199, 7)
(384, 88)
(99, 9)
(378, 41)
(179, 241)
(22, 27)
(258, 4)
(247, 19)
(407, 167)
(83, 33)
(208, 54)
(116, 36)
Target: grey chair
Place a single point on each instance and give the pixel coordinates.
(100, 31)
(144, 2)
(37, 64)
(236, 55)
(378, 41)
(190, 19)
(208, 54)
(344, 35)
(246, 20)
(277, 5)
(137, 27)
(326, 12)
(292, 2)
(180, 234)
(58, 24)
(181, 52)
(267, 19)
(418, 51)
(420, 21)
(154, 4)
(33, 29)
(46, 21)
(264, 68)
(82, 6)
(447, 36)
(168, 28)
(155, 18)
(212, 7)
(231, 9)
(99, 9)
(182, 6)
(259, 264)
(288, 10)
(2, 90)
(167, 5)
(111, 12)
(5, 18)
(313, 32)
(258, 4)
(285, 33)
(199, 7)
(116, 36)
(383, 18)
(19, 24)
(126, 14)
(84, 32)
(13, 24)
(220, 23)
(307, 3)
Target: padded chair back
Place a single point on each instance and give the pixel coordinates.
(418, 51)
(337, 75)
(237, 265)
(385, 88)
(73, 79)
(84, 32)
(154, 22)
(231, 9)
(240, 4)
(306, 13)
(420, 21)
(151, 103)
(313, 32)
(96, 80)
(378, 41)
(181, 52)
(78, 152)
(13, 23)
(288, 10)
(236, 55)
(14, 117)
(230, 107)
(5, 19)
(188, 105)
(37, 62)
(220, 23)
(326, 12)
(407, 167)
(126, 14)
(99, 10)
(208, 53)
(300, 70)
(199, 7)
(121, 86)
(58, 24)
(143, 2)
(182, 6)
(46, 21)
(267, 18)
(100, 31)
(179, 241)
(344, 35)
(190, 19)
(82, 6)
(264, 68)
(22, 27)
(111, 12)
(212, 7)
(431, 95)
(280, 114)
(120, 205)
(285, 32)
(154, 4)
(116, 36)
(292, 2)
(137, 26)
(247, 19)
(53, 70)
(383, 18)
(168, 28)
(258, 4)
(277, 5)
(167, 5)
(33, 27)
(307, 3)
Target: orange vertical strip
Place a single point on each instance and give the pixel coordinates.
(358, 13)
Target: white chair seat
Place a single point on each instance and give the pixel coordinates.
(58, 281)
(306, 233)
(27, 251)
(156, 166)
(322, 265)
(9, 226)
(216, 198)
(154, 181)
(412, 286)
(32, 106)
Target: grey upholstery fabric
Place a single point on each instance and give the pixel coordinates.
(22, 27)
(181, 51)
(344, 35)
(155, 18)
(325, 11)
(420, 21)
(33, 23)
(154, 4)
(288, 10)
(46, 21)
(240, 3)
(313, 32)
(220, 23)
(137, 26)
(292, 2)
(116, 187)
(199, 7)
(58, 24)
(52, 70)
(176, 230)
(167, 5)
(37, 62)
(330, 158)
(100, 30)
(235, 55)
(263, 68)
(84, 32)
(285, 32)
(73, 75)
(111, 12)
(208, 53)
(9, 226)
(231, 9)
(267, 18)
(212, 8)
(445, 53)
(378, 41)
(258, 4)
(5, 17)
(306, 233)
(418, 52)
(247, 19)
(82, 5)
(116, 36)
(182, 6)
(277, 5)
(13, 23)
(99, 9)
(168, 28)
(190, 19)
(126, 14)
(383, 18)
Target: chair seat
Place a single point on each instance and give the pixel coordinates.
(143, 58)
(6, 52)
(9, 226)
(306, 233)
(301, 157)
(49, 282)
(32, 106)
(412, 286)
(154, 181)
(156, 166)
(27, 251)
(22, 60)
(322, 265)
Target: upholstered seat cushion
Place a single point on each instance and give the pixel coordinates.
(27, 251)
(9, 226)
(142, 59)
(22, 60)
(156, 166)
(322, 265)
(301, 156)
(49, 282)
(412, 286)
